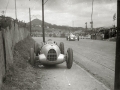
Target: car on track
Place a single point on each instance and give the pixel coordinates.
(72, 37)
(50, 53)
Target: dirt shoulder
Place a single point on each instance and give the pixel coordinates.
(22, 76)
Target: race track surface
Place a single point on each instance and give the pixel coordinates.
(93, 69)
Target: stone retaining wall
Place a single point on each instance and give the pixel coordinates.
(11, 37)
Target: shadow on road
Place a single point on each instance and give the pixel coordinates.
(50, 67)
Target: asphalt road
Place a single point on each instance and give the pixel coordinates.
(94, 69)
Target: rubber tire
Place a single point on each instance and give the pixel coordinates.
(32, 57)
(36, 48)
(78, 38)
(67, 38)
(62, 47)
(69, 61)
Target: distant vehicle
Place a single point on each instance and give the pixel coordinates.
(49, 53)
(72, 37)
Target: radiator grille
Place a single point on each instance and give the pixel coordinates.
(52, 55)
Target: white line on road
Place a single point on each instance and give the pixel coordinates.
(66, 78)
(68, 81)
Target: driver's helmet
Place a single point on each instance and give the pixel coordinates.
(49, 39)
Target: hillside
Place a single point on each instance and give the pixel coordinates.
(36, 25)
(36, 22)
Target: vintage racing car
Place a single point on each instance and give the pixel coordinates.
(72, 37)
(50, 53)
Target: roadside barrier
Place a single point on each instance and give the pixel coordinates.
(8, 38)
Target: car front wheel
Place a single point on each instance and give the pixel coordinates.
(69, 58)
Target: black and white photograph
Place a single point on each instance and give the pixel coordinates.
(59, 45)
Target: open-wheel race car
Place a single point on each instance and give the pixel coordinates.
(72, 37)
(50, 53)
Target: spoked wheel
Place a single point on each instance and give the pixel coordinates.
(32, 57)
(36, 48)
(62, 47)
(69, 58)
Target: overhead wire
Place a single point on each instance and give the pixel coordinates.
(46, 2)
(36, 1)
(6, 7)
(34, 5)
(36, 16)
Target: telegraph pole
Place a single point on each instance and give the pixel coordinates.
(15, 10)
(91, 16)
(117, 60)
(86, 25)
(43, 21)
(114, 18)
(30, 20)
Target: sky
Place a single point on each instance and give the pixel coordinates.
(73, 13)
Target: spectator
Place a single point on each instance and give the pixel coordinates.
(102, 35)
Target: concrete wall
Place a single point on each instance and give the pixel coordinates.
(11, 37)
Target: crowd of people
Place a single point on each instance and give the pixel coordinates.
(108, 33)
(101, 33)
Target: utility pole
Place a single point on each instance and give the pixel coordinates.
(43, 21)
(15, 10)
(91, 16)
(114, 18)
(3, 13)
(86, 25)
(117, 60)
(30, 20)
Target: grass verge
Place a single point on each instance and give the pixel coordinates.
(22, 76)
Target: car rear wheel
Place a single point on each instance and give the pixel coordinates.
(62, 47)
(36, 48)
(69, 60)
(67, 38)
(32, 57)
